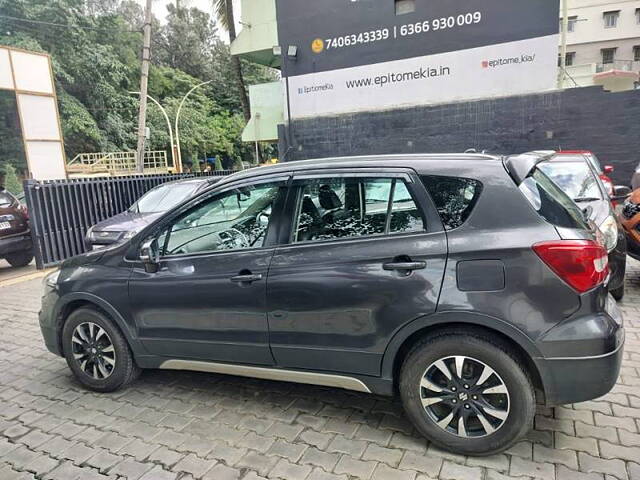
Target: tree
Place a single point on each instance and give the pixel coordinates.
(11, 181)
(224, 12)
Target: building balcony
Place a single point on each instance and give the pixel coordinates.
(615, 77)
(259, 33)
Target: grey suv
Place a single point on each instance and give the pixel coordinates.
(468, 284)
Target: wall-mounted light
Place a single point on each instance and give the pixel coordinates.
(292, 51)
(277, 50)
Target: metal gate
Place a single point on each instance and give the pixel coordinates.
(61, 211)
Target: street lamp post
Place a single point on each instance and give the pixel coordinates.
(177, 126)
(166, 117)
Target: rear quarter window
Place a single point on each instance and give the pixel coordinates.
(455, 197)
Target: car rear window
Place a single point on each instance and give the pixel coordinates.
(551, 202)
(454, 197)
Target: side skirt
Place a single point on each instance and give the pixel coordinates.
(311, 378)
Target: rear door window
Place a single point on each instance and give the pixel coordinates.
(335, 208)
(551, 202)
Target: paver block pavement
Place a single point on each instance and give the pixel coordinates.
(181, 425)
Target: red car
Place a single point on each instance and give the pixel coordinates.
(603, 172)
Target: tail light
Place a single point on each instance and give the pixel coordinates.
(582, 264)
(608, 184)
(25, 211)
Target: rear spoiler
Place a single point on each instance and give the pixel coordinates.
(521, 166)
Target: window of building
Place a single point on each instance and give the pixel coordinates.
(454, 198)
(405, 6)
(636, 53)
(570, 59)
(611, 19)
(338, 208)
(638, 16)
(608, 55)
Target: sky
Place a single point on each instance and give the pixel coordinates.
(160, 9)
(160, 6)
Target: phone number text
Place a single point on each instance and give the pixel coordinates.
(406, 30)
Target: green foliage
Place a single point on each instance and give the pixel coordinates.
(11, 181)
(95, 49)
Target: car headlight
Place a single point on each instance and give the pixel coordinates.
(609, 230)
(51, 280)
(128, 235)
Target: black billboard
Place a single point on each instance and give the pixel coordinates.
(336, 34)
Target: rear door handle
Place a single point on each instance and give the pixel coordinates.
(405, 266)
(248, 278)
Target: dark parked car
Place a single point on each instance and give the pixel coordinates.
(148, 208)
(577, 177)
(15, 236)
(470, 284)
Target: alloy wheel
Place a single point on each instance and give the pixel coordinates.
(464, 396)
(93, 350)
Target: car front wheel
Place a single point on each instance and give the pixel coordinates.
(96, 351)
(467, 393)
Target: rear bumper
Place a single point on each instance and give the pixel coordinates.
(572, 380)
(17, 243)
(584, 357)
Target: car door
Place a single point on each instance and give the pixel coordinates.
(365, 254)
(207, 300)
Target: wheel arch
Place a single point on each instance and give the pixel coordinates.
(72, 302)
(461, 322)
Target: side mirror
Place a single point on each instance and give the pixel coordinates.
(620, 192)
(150, 256)
(608, 169)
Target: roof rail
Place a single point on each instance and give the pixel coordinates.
(520, 166)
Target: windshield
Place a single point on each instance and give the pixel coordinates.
(164, 198)
(6, 200)
(574, 178)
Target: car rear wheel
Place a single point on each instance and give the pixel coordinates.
(96, 351)
(19, 259)
(467, 394)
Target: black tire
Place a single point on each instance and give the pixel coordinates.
(122, 372)
(479, 350)
(618, 293)
(19, 259)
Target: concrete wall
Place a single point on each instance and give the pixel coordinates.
(580, 118)
(590, 26)
(592, 52)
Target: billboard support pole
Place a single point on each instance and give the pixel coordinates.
(288, 125)
(563, 48)
(144, 82)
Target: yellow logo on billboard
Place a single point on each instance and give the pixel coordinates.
(317, 45)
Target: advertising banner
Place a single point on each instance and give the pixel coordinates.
(360, 56)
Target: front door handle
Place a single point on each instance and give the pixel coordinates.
(246, 278)
(405, 266)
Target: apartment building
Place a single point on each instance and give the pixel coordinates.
(605, 33)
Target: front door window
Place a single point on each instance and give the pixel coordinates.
(234, 220)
